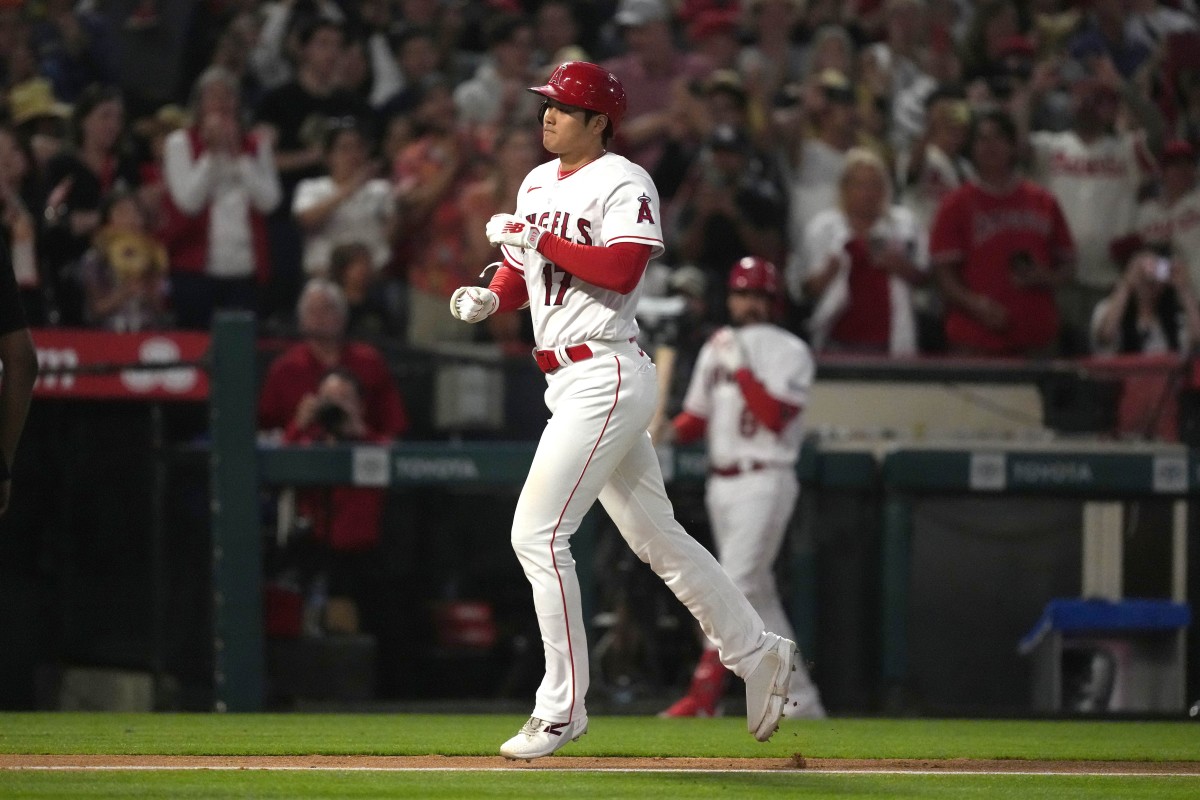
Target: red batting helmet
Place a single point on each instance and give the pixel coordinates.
(585, 85)
(754, 274)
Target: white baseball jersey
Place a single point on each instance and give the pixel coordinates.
(1097, 186)
(781, 361)
(604, 202)
(749, 511)
(1178, 225)
(595, 445)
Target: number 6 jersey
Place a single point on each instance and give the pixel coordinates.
(604, 202)
(778, 359)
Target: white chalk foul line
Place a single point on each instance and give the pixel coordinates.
(535, 770)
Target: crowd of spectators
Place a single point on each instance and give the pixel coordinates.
(992, 178)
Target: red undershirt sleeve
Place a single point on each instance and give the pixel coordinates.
(618, 267)
(688, 427)
(773, 413)
(509, 285)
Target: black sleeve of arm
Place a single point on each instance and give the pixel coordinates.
(12, 315)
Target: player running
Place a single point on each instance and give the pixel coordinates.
(586, 225)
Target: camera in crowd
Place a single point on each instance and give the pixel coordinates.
(1021, 264)
(332, 419)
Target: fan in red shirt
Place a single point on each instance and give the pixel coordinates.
(288, 394)
(1000, 246)
(292, 399)
(343, 517)
(327, 390)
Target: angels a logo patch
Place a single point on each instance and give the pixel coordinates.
(644, 213)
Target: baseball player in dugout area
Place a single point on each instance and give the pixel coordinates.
(575, 251)
(746, 395)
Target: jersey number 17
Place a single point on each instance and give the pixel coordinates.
(551, 275)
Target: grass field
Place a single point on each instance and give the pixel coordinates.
(73, 739)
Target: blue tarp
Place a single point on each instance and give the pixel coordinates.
(1099, 616)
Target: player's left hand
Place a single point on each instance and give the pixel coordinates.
(513, 231)
(728, 350)
(473, 303)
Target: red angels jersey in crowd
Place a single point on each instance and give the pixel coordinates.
(782, 362)
(986, 230)
(604, 202)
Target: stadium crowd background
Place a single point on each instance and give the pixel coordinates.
(382, 135)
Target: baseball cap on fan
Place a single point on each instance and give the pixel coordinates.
(635, 13)
(34, 99)
(836, 86)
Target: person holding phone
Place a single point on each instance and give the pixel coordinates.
(1151, 310)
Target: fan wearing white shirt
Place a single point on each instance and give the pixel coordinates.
(220, 182)
(349, 204)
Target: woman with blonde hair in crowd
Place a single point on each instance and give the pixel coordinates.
(221, 182)
(860, 261)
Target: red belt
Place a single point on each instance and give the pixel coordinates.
(548, 361)
(729, 472)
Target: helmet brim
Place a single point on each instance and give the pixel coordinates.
(551, 92)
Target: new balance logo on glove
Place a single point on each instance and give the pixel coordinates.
(513, 231)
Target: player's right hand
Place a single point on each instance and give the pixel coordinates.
(513, 231)
(727, 350)
(473, 303)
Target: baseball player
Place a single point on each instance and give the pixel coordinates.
(746, 394)
(586, 224)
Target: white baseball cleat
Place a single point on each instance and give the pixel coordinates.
(541, 738)
(767, 689)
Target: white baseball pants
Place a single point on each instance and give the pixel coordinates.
(596, 446)
(749, 514)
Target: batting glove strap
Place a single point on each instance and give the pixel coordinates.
(511, 230)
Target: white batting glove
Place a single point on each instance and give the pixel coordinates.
(513, 231)
(473, 303)
(727, 350)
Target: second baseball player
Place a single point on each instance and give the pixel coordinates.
(746, 396)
